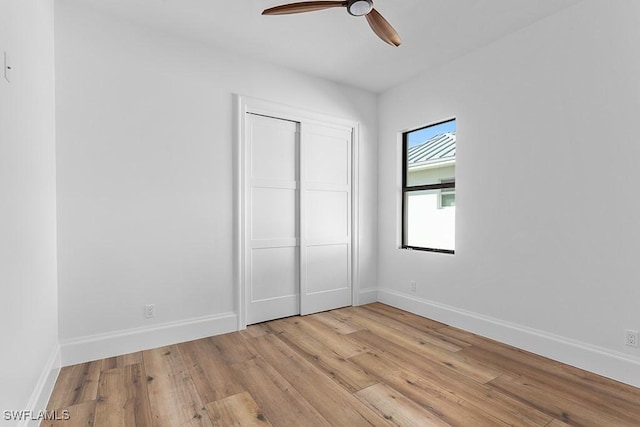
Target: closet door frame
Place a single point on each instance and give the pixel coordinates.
(242, 106)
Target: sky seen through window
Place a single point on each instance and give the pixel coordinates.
(421, 135)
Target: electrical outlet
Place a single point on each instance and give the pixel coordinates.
(150, 311)
(631, 338)
(412, 285)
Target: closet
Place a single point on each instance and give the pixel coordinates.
(297, 216)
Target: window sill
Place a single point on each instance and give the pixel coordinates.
(418, 248)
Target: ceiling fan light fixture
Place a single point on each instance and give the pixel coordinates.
(378, 24)
(359, 7)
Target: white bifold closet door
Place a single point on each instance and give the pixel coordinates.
(297, 217)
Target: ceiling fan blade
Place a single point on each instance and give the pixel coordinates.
(300, 7)
(382, 28)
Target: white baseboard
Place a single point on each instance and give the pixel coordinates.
(44, 387)
(100, 346)
(618, 366)
(367, 296)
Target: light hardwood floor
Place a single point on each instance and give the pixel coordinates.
(358, 366)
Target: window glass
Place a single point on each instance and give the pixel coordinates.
(429, 197)
(447, 199)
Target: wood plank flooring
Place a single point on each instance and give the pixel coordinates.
(359, 366)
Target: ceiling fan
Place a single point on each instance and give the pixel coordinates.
(378, 24)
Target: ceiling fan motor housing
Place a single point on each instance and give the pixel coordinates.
(359, 7)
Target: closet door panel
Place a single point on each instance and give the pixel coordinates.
(274, 149)
(325, 198)
(327, 268)
(275, 273)
(274, 213)
(327, 217)
(331, 155)
(272, 257)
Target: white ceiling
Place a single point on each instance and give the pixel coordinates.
(331, 43)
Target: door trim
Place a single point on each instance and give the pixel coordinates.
(242, 106)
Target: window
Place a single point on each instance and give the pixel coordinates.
(447, 198)
(428, 188)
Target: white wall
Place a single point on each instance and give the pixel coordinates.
(547, 212)
(28, 288)
(145, 172)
